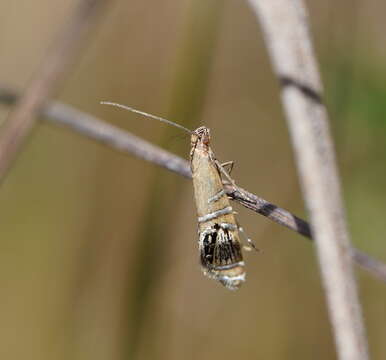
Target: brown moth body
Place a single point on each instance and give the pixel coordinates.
(219, 243)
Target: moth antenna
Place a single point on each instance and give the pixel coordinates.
(146, 115)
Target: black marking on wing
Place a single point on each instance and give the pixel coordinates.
(219, 248)
(208, 248)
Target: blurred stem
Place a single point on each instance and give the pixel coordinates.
(187, 100)
(47, 79)
(286, 32)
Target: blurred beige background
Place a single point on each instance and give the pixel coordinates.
(98, 255)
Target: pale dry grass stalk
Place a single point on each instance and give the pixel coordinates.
(285, 28)
(121, 140)
(46, 80)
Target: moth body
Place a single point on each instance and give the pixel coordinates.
(219, 243)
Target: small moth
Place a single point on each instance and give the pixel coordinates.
(219, 242)
(219, 234)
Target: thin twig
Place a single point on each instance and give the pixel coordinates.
(285, 28)
(121, 140)
(48, 77)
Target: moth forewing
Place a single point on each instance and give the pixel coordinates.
(219, 243)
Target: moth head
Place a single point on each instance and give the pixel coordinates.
(201, 134)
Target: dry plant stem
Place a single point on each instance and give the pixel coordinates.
(287, 219)
(121, 140)
(285, 28)
(114, 137)
(45, 82)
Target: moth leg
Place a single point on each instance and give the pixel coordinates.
(251, 244)
(230, 180)
(230, 164)
(225, 173)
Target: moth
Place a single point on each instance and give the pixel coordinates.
(219, 233)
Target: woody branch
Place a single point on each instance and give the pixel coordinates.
(121, 140)
(285, 28)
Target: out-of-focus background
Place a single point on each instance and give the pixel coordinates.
(98, 250)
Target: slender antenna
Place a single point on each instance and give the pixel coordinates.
(146, 115)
